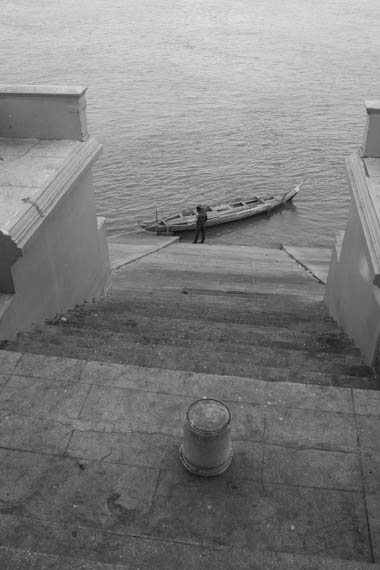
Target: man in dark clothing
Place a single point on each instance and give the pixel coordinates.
(200, 225)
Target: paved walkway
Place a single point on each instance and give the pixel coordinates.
(90, 469)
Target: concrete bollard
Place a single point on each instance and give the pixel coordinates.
(206, 449)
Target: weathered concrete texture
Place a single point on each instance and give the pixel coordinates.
(90, 470)
(231, 310)
(316, 260)
(125, 250)
(43, 111)
(26, 166)
(352, 288)
(177, 557)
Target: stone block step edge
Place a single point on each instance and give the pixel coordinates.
(187, 558)
(181, 353)
(58, 368)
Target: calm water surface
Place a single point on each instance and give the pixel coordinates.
(203, 100)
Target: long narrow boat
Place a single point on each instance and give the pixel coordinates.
(220, 213)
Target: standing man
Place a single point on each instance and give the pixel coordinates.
(200, 225)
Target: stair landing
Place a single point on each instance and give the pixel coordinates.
(90, 469)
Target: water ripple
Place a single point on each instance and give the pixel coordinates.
(210, 99)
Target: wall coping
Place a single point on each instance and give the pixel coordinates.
(372, 106)
(38, 90)
(43, 112)
(33, 212)
(367, 207)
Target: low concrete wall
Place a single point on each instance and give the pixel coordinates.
(351, 295)
(54, 251)
(64, 263)
(352, 289)
(43, 112)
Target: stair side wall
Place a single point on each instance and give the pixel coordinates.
(63, 264)
(351, 295)
(353, 283)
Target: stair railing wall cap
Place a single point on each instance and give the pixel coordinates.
(371, 142)
(32, 214)
(37, 90)
(367, 207)
(43, 112)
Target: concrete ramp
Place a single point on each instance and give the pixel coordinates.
(127, 248)
(316, 260)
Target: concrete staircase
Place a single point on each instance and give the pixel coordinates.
(92, 410)
(232, 310)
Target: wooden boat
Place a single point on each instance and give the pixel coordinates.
(220, 213)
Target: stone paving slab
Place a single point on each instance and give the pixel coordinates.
(253, 460)
(373, 508)
(41, 396)
(157, 450)
(148, 554)
(52, 367)
(369, 432)
(231, 388)
(278, 518)
(95, 446)
(8, 361)
(371, 468)
(175, 506)
(34, 434)
(139, 449)
(312, 468)
(365, 405)
(311, 428)
(95, 495)
(3, 380)
(131, 410)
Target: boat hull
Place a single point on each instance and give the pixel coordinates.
(215, 218)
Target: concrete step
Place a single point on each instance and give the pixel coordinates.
(236, 306)
(221, 357)
(151, 334)
(153, 555)
(252, 308)
(235, 259)
(126, 249)
(209, 309)
(174, 280)
(198, 358)
(316, 260)
(211, 268)
(232, 336)
(160, 330)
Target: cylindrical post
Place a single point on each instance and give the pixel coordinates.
(206, 449)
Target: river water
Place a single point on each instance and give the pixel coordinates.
(206, 100)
